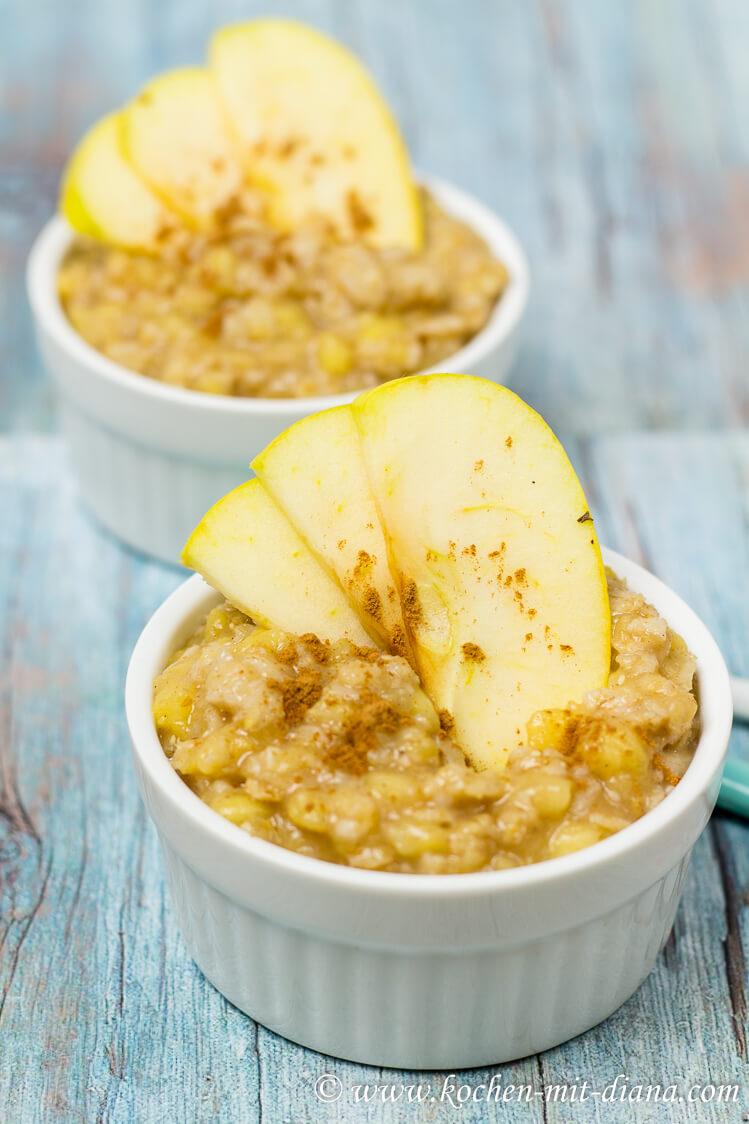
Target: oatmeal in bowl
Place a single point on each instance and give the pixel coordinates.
(418, 745)
(210, 280)
(336, 752)
(344, 958)
(251, 312)
(151, 457)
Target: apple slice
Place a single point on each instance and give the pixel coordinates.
(493, 549)
(103, 196)
(246, 548)
(315, 473)
(74, 211)
(175, 134)
(314, 128)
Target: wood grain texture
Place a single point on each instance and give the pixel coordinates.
(102, 1014)
(611, 136)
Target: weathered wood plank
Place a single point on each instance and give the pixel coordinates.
(94, 981)
(610, 136)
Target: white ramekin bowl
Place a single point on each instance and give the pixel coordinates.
(151, 458)
(419, 971)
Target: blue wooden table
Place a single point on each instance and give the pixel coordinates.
(613, 138)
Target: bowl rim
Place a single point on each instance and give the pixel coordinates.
(157, 640)
(56, 236)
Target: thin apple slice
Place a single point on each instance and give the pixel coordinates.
(246, 548)
(176, 136)
(493, 548)
(315, 129)
(73, 209)
(102, 195)
(315, 473)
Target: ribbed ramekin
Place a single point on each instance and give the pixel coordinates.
(150, 459)
(419, 971)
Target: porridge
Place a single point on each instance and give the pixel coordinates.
(248, 311)
(336, 752)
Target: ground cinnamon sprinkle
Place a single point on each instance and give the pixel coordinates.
(372, 603)
(570, 734)
(473, 652)
(411, 604)
(349, 758)
(362, 561)
(299, 693)
(447, 722)
(370, 654)
(317, 648)
(398, 643)
(376, 716)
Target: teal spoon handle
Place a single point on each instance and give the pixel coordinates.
(734, 789)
